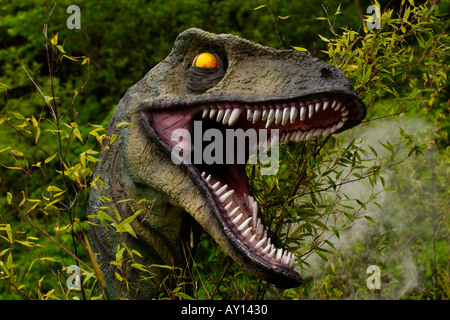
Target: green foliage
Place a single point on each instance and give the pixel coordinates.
(49, 147)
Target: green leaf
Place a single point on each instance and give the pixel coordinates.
(104, 215)
(301, 49)
(336, 232)
(369, 218)
(320, 254)
(373, 151)
(118, 276)
(50, 158)
(260, 7)
(60, 48)
(124, 225)
(162, 266)
(53, 189)
(362, 204)
(9, 197)
(139, 267)
(4, 85)
(323, 38)
(125, 124)
(54, 40)
(18, 116)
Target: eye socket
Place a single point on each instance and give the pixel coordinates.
(205, 60)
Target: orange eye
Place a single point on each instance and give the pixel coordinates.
(205, 60)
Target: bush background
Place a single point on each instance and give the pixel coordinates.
(125, 39)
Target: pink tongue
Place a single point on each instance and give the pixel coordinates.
(165, 123)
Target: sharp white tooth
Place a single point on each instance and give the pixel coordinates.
(292, 258)
(286, 113)
(298, 136)
(318, 105)
(310, 111)
(252, 238)
(258, 225)
(285, 258)
(220, 115)
(294, 114)
(283, 137)
(272, 252)
(325, 105)
(333, 128)
(344, 119)
(260, 230)
(302, 113)
(234, 116)
(260, 243)
(213, 113)
(309, 134)
(279, 253)
(340, 124)
(205, 113)
(246, 232)
(293, 262)
(326, 132)
(278, 116)
(344, 112)
(244, 224)
(333, 104)
(236, 220)
(256, 115)
(266, 249)
(337, 106)
(249, 115)
(221, 190)
(216, 185)
(232, 213)
(254, 215)
(228, 206)
(226, 116)
(208, 178)
(288, 136)
(270, 118)
(264, 115)
(203, 174)
(226, 196)
(318, 132)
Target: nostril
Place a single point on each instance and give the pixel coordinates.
(325, 73)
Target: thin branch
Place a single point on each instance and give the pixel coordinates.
(57, 120)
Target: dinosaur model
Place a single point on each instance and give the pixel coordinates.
(221, 81)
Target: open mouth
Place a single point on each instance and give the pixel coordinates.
(226, 184)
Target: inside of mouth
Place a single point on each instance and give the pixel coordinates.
(295, 121)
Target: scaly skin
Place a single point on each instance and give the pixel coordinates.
(138, 165)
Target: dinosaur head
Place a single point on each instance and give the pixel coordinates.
(221, 82)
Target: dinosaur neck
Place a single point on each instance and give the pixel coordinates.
(163, 233)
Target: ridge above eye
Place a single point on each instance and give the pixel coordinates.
(205, 60)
